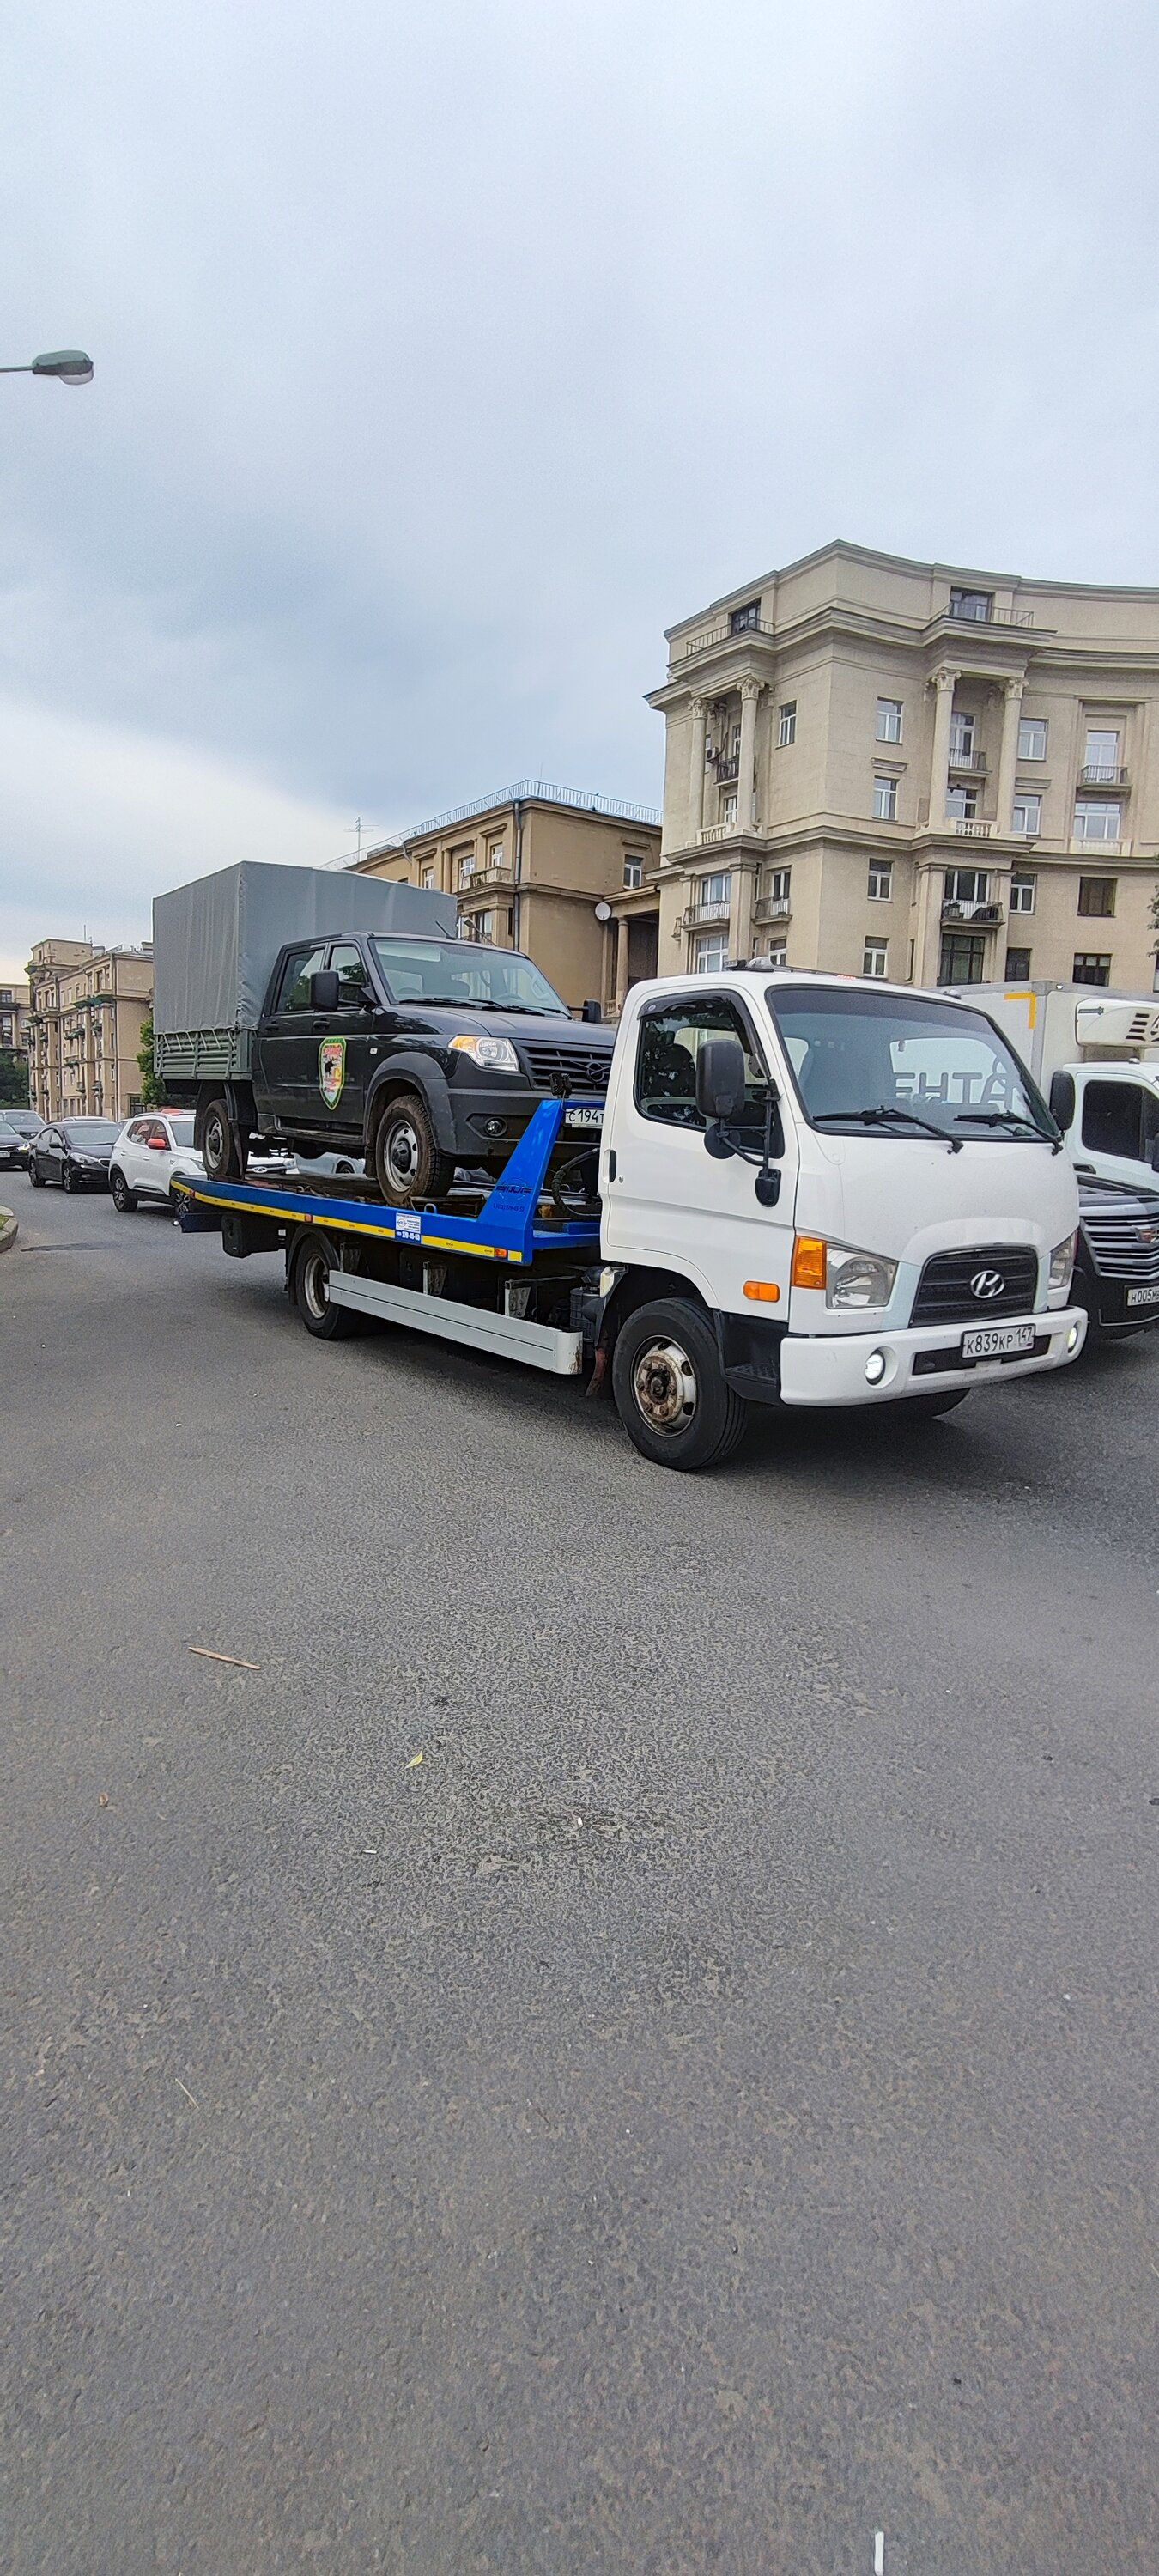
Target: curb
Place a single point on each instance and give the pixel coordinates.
(9, 1229)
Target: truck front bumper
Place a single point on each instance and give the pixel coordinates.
(830, 1368)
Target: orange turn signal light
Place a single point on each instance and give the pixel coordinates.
(764, 1291)
(808, 1261)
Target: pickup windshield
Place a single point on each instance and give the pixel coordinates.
(902, 1065)
(460, 976)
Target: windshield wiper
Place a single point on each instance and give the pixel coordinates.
(1007, 1118)
(885, 1117)
(530, 1010)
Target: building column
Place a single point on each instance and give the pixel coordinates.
(621, 963)
(696, 774)
(746, 803)
(1008, 755)
(945, 682)
(740, 924)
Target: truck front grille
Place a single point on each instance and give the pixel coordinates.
(955, 1287)
(1118, 1251)
(563, 1070)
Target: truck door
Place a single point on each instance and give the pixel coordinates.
(669, 1203)
(1118, 1122)
(344, 1037)
(287, 1049)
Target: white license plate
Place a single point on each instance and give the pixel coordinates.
(1143, 1296)
(584, 1118)
(992, 1341)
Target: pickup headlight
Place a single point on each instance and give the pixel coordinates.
(1061, 1267)
(857, 1278)
(496, 1055)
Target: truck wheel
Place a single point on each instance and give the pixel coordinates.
(124, 1199)
(407, 1161)
(313, 1264)
(218, 1146)
(671, 1394)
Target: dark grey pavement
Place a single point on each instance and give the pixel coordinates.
(700, 2116)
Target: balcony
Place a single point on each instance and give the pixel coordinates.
(485, 879)
(720, 831)
(964, 827)
(699, 913)
(963, 758)
(1095, 775)
(991, 616)
(720, 635)
(773, 907)
(726, 768)
(980, 916)
(1094, 852)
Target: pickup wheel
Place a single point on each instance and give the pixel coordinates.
(313, 1263)
(218, 1147)
(671, 1394)
(407, 1161)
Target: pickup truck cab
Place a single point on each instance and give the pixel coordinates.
(420, 1054)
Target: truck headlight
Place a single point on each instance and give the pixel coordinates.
(496, 1055)
(1061, 1266)
(857, 1278)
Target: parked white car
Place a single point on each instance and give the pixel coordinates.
(150, 1153)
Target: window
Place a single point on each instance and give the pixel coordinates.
(348, 966)
(777, 888)
(881, 881)
(1018, 965)
(466, 870)
(712, 893)
(1032, 732)
(1098, 820)
(909, 1051)
(1097, 897)
(428, 878)
(875, 957)
(484, 925)
(786, 724)
(743, 618)
(633, 870)
(1091, 970)
(710, 955)
(1120, 1118)
(1101, 755)
(885, 800)
(728, 808)
(420, 970)
(961, 738)
(294, 990)
(975, 604)
(967, 885)
(669, 1042)
(889, 719)
(1022, 892)
(963, 959)
(1027, 814)
(779, 953)
(494, 854)
(961, 804)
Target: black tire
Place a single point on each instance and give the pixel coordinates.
(407, 1161)
(218, 1144)
(36, 1176)
(313, 1262)
(926, 1408)
(124, 1199)
(66, 1177)
(671, 1394)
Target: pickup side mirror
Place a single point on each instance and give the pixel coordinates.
(591, 1011)
(1062, 1100)
(324, 990)
(720, 1079)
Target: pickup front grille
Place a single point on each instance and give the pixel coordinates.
(563, 1070)
(1119, 1252)
(947, 1293)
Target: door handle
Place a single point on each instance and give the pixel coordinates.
(611, 1163)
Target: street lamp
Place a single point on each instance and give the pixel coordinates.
(69, 366)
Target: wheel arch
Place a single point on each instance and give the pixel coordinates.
(410, 1073)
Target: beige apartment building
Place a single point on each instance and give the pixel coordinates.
(89, 1006)
(14, 1017)
(914, 770)
(569, 878)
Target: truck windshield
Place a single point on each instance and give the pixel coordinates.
(905, 1064)
(464, 977)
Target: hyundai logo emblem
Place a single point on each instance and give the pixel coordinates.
(987, 1283)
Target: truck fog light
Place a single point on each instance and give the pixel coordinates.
(1072, 1338)
(875, 1367)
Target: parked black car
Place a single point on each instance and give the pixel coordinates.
(13, 1150)
(75, 1152)
(1116, 1273)
(422, 1054)
(27, 1125)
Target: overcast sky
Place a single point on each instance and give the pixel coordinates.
(446, 354)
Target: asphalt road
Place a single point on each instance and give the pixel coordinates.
(700, 2116)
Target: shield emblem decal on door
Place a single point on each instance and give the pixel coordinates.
(331, 1070)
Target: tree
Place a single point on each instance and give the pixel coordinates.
(13, 1079)
(152, 1091)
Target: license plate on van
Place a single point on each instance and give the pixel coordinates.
(1143, 1296)
(584, 1118)
(993, 1341)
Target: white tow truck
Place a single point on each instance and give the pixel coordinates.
(806, 1190)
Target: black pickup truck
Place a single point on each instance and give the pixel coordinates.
(421, 1053)
(1116, 1272)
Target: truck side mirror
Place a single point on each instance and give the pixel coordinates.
(1062, 1100)
(324, 990)
(720, 1079)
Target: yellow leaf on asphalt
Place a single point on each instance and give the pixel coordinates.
(415, 1757)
